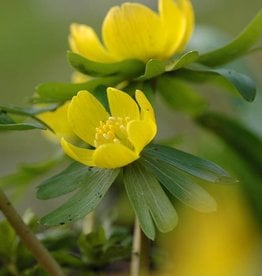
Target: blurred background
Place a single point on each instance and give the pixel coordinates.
(33, 50)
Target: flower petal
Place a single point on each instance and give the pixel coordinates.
(84, 115)
(147, 111)
(174, 24)
(140, 133)
(57, 121)
(84, 41)
(133, 31)
(188, 10)
(113, 156)
(84, 156)
(121, 104)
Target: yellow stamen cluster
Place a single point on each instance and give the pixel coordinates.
(112, 131)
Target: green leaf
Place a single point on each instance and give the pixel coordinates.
(181, 185)
(182, 61)
(236, 48)
(5, 119)
(21, 126)
(242, 140)
(65, 260)
(128, 68)
(97, 250)
(60, 92)
(179, 95)
(188, 163)
(235, 81)
(148, 199)
(84, 200)
(73, 177)
(27, 111)
(7, 123)
(242, 83)
(154, 68)
(91, 246)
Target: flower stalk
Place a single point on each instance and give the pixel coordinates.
(41, 254)
(139, 258)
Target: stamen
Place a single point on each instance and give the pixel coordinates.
(112, 131)
(116, 141)
(122, 127)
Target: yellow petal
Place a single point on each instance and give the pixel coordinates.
(84, 114)
(84, 156)
(133, 31)
(147, 112)
(84, 41)
(174, 24)
(113, 156)
(188, 10)
(57, 121)
(140, 133)
(121, 104)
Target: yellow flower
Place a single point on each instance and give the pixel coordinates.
(57, 121)
(118, 137)
(133, 31)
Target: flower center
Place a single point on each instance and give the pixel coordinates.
(113, 130)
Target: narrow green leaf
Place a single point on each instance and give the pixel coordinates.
(7, 123)
(27, 111)
(181, 185)
(235, 81)
(239, 46)
(136, 197)
(128, 68)
(73, 177)
(5, 118)
(147, 197)
(84, 200)
(243, 84)
(154, 68)
(182, 61)
(65, 91)
(179, 95)
(246, 143)
(188, 163)
(21, 126)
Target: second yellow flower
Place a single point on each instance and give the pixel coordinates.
(133, 31)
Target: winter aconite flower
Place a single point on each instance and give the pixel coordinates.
(133, 31)
(118, 136)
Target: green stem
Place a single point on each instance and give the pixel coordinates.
(88, 223)
(140, 253)
(41, 254)
(144, 258)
